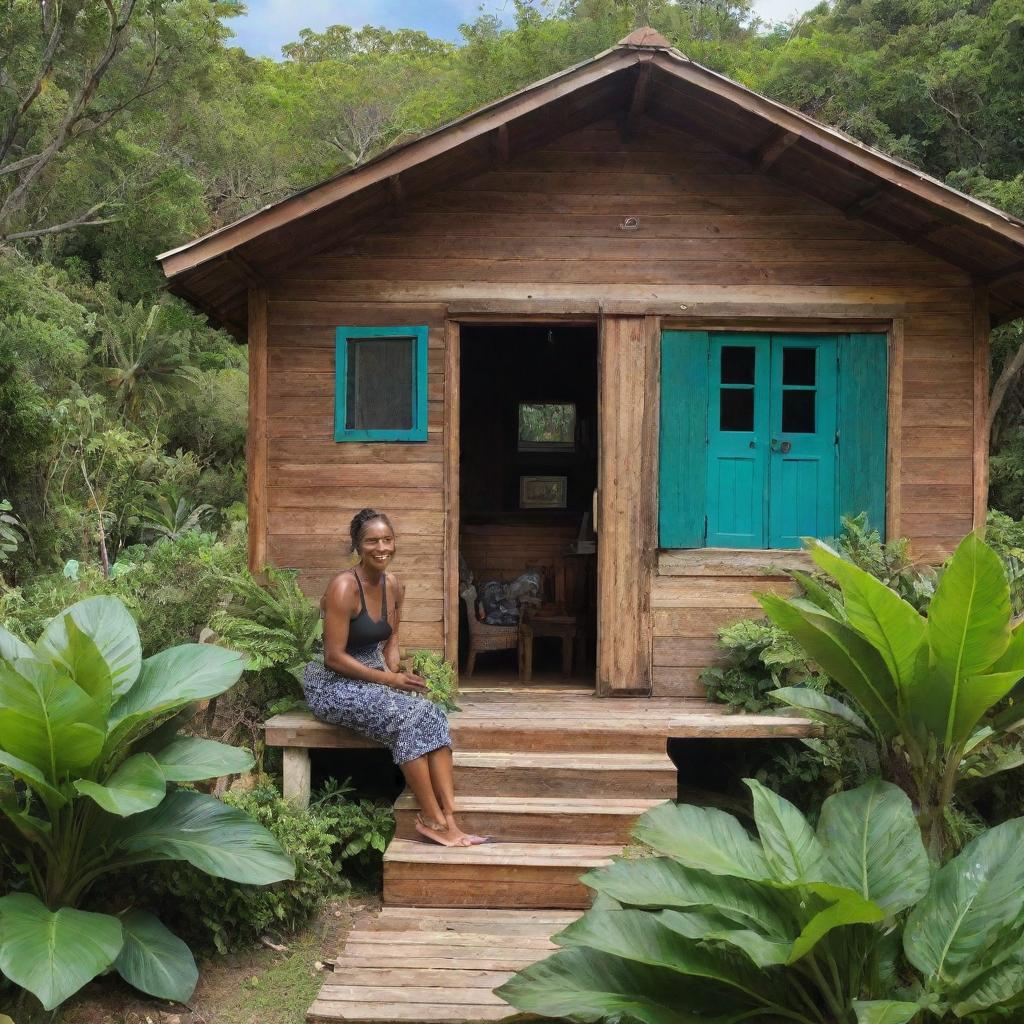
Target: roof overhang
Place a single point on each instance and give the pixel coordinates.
(216, 271)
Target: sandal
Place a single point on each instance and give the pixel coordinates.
(425, 828)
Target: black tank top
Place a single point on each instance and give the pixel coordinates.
(362, 630)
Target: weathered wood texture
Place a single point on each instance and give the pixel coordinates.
(503, 552)
(627, 506)
(546, 228)
(256, 439)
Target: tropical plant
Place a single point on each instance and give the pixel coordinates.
(169, 513)
(90, 756)
(273, 624)
(11, 532)
(759, 658)
(799, 926)
(441, 676)
(928, 691)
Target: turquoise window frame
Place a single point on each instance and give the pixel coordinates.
(418, 430)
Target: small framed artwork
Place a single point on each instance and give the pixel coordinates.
(543, 491)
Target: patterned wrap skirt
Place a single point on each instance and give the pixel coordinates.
(406, 723)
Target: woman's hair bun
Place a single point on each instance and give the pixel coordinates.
(360, 521)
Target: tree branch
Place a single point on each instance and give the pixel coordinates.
(34, 89)
(116, 41)
(81, 221)
(1010, 371)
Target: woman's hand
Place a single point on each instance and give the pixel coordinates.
(407, 681)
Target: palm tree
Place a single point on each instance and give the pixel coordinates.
(146, 363)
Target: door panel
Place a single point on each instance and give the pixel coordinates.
(738, 422)
(802, 447)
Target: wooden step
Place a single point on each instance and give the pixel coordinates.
(422, 965)
(531, 819)
(520, 876)
(551, 774)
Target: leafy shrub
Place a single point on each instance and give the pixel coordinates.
(927, 692)
(441, 676)
(333, 836)
(11, 533)
(89, 758)
(890, 562)
(797, 926)
(274, 624)
(1006, 537)
(761, 658)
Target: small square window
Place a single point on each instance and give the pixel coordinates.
(380, 384)
(547, 426)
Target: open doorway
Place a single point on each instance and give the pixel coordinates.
(527, 476)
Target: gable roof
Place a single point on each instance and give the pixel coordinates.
(641, 74)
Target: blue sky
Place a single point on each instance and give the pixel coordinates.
(272, 23)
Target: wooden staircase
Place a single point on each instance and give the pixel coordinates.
(558, 777)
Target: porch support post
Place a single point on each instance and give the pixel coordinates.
(257, 438)
(627, 489)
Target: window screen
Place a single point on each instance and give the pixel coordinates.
(380, 377)
(381, 384)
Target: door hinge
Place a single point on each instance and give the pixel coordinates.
(837, 438)
(705, 536)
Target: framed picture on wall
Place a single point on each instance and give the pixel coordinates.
(543, 491)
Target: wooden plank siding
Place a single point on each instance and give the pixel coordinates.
(546, 229)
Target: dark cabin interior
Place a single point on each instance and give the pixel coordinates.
(528, 470)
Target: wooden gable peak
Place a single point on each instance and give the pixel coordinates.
(646, 38)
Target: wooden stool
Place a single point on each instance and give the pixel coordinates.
(564, 627)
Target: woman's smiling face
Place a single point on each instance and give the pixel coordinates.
(377, 544)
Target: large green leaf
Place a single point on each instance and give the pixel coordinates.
(704, 838)
(585, 985)
(11, 648)
(81, 659)
(846, 656)
(47, 719)
(885, 1011)
(176, 677)
(879, 614)
(1001, 985)
(137, 785)
(54, 954)
(189, 759)
(874, 843)
(1013, 657)
(659, 882)
(790, 846)
(709, 926)
(640, 935)
(850, 909)
(820, 706)
(154, 959)
(112, 630)
(968, 628)
(825, 598)
(972, 901)
(33, 777)
(976, 695)
(208, 834)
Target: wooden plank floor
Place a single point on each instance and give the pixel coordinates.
(558, 777)
(415, 965)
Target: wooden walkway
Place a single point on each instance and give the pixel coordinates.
(558, 777)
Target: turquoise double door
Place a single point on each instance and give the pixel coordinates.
(771, 440)
(768, 438)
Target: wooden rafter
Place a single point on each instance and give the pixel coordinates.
(772, 148)
(864, 202)
(396, 190)
(253, 278)
(637, 101)
(500, 144)
(1006, 274)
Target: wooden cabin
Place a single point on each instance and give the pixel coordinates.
(634, 296)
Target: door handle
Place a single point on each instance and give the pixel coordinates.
(593, 511)
(781, 446)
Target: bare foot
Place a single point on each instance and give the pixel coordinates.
(453, 829)
(441, 832)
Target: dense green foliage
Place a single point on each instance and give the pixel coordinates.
(327, 842)
(797, 925)
(91, 758)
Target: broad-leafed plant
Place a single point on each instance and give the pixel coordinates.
(933, 692)
(794, 926)
(89, 757)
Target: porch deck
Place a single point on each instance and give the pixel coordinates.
(558, 777)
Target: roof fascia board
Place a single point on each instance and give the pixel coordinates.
(443, 140)
(915, 182)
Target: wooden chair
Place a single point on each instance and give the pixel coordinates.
(552, 618)
(484, 637)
